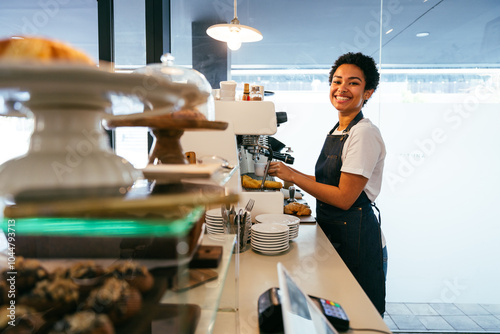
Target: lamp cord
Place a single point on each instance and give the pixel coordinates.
(235, 5)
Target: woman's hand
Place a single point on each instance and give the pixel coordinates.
(342, 196)
(280, 170)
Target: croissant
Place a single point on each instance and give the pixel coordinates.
(250, 183)
(298, 209)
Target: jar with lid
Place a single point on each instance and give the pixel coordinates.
(256, 93)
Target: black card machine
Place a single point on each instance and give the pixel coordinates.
(269, 311)
(271, 319)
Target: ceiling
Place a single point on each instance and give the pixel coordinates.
(297, 33)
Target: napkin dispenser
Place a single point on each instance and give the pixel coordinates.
(269, 311)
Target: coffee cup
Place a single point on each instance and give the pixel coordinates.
(228, 85)
(260, 168)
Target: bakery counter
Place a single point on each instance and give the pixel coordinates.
(316, 267)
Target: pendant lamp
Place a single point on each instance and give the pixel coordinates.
(234, 33)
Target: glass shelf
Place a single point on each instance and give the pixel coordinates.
(109, 227)
(208, 295)
(220, 178)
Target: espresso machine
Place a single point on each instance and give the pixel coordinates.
(245, 143)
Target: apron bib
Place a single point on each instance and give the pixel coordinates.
(355, 233)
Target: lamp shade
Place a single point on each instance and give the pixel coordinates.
(234, 33)
(225, 32)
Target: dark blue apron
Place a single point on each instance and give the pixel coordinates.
(355, 233)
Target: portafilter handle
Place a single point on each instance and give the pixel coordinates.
(291, 192)
(267, 168)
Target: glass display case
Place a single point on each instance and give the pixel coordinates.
(217, 298)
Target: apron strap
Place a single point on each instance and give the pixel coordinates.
(379, 216)
(355, 121)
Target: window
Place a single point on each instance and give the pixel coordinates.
(437, 107)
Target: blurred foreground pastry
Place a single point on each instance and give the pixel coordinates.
(54, 297)
(41, 50)
(135, 274)
(25, 321)
(117, 299)
(85, 270)
(84, 322)
(29, 272)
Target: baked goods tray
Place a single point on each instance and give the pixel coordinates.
(153, 243)
(152, 316)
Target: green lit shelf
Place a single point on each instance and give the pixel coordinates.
(96, 227)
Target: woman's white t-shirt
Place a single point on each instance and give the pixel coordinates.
(364, 154)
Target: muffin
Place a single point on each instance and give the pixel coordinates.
(135, 274)
(83, 322)
(26, 320)
(55, 297)
(29, 272)
(86, 274)
(4, 292)
(85, 270)
(116, 298)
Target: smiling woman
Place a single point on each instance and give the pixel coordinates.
(348, 176)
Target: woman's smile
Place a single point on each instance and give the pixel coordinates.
(347, 91)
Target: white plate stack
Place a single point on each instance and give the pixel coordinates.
(270, 239)
(292, 222)
(214, 221)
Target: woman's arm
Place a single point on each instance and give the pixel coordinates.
(343, 196)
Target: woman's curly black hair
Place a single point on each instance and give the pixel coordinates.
(365, 63)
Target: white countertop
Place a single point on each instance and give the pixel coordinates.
(316, 267)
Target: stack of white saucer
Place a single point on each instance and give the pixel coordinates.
(214, 221)
(270, 239)
(292, 222)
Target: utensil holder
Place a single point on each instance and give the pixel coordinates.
(233, 224)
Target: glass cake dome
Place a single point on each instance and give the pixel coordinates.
(204, 102)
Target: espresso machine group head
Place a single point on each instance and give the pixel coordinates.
(246, 141)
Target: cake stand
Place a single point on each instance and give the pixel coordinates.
(167, 131)
(69, 154)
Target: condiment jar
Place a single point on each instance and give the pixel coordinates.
(246, 92)
(256, 93)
